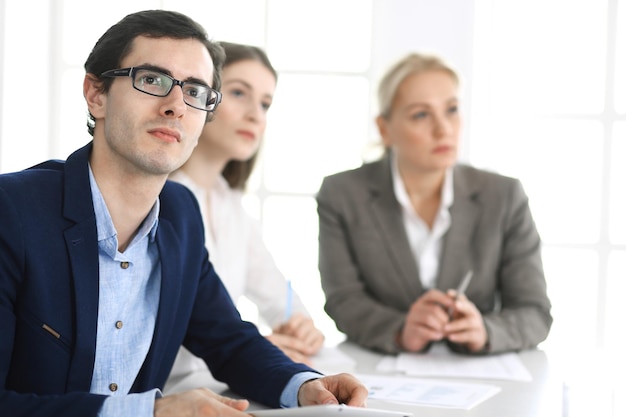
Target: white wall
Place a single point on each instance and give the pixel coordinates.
(442, 27)
(30, 114)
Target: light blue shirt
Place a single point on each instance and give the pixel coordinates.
(129, 288)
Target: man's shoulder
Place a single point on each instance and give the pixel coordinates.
(40, 174)
(178, 202)
(32, 178)
(173, 192)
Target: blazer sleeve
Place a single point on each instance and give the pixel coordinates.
(523, 319)
(234, 350)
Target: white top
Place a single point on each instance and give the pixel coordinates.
(425, 243)
(240, 257)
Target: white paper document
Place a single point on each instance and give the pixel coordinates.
(430, 392)
(439, 361)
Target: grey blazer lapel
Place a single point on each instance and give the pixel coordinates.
(456, 260)
(387, 215)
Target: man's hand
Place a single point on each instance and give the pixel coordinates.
(333, 389)
(200, 402)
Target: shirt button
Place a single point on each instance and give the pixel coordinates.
(124, 265)
(119, 324)
(113, 387)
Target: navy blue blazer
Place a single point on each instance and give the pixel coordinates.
(49, 299)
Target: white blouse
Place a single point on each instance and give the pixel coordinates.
(240, 257)
(425, 243)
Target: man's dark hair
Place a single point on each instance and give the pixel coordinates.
(116, 43)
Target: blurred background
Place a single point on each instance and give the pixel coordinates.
(543, 99)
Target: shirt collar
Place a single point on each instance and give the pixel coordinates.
(104, 223)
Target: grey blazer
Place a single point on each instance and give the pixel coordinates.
(370, 276)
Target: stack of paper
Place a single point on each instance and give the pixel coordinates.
(441, 362)
(431, 392)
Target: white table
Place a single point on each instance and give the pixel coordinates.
(543, 397)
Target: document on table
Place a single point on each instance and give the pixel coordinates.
(439, 361)
(430, 392)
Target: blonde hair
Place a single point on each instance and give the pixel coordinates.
(411, 64)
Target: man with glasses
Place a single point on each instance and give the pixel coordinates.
(103, 267)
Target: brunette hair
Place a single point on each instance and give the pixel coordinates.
(236, 172)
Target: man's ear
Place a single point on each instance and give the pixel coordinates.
(94, 96)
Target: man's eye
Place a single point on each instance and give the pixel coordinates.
(151, 80)
(193, 91)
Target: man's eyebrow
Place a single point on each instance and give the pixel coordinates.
(168, 72)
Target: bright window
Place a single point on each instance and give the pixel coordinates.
(546, 102)
(547, 93)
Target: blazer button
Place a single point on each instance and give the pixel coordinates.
(113, 387)
(124, 265)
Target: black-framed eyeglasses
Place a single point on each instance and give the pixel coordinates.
(156, 83)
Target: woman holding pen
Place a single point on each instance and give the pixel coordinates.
(216, 173)
(416, 248)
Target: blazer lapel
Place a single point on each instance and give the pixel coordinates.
(171, 280)
(456, 257)
(82, 246)
(387, 215)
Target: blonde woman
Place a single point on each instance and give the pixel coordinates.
(398, 235)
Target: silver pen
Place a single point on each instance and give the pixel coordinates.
(461, 288)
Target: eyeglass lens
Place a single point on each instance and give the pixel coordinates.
(158, 84)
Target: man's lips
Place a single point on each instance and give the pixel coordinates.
(166, 134)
